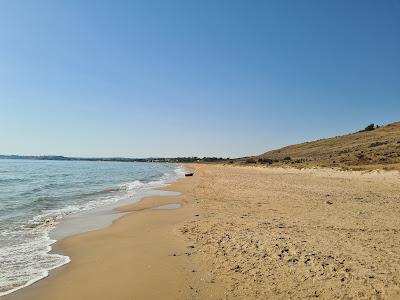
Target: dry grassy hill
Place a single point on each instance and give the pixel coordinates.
(377, 148)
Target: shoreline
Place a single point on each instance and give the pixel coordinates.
(246, 233)
(98, 218)
(175, 249)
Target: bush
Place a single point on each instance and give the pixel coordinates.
(265, 161)
(370, 127)
(360, 156)
(376, 144)
(287, 158)
(251, 161)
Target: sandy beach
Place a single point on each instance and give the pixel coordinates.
(199, 150)
(245, 233)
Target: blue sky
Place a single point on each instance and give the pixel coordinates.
(179, 78)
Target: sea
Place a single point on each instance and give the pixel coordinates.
(38, 196)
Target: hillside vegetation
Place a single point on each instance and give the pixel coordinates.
(367, 149)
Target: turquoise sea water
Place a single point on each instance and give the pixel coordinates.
(36, 195)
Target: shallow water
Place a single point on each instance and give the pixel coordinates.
(35, 196)
(169, 206)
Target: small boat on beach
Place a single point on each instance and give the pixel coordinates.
(189, 174)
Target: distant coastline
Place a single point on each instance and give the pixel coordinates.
(116, 159)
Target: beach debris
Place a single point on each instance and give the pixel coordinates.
(189, 174)
(236, 269)
(193, 289)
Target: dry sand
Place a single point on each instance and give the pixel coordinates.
(244, 232)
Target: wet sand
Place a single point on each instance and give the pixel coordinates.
(245, 233)
(141, 256)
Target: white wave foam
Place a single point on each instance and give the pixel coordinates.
(132, 185)
(23, 263)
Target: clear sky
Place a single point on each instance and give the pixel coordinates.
(178, 78)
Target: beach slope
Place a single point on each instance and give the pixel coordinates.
(244, 233)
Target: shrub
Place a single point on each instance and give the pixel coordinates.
(376, 144)
(251, 161)
(265, 161)
(287, 158)
(360, 156)
(370, 127)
